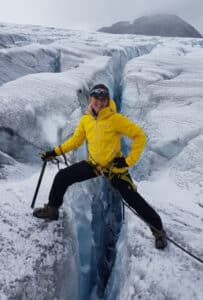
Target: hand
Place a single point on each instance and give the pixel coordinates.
(119, 162)
(48, 155)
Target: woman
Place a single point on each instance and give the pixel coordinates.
(102, 127)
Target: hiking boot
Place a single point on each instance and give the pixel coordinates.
(46, 212)
(160, 239)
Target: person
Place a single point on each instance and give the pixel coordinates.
(102, 127)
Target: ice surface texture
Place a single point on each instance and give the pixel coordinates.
(45, 75)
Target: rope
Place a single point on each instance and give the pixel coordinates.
(123, 212)
(56, 161)
(164, 235)
(64, 156)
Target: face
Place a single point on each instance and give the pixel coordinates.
(97, 104)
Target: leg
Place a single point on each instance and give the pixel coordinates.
(64, 178)
(136, 201)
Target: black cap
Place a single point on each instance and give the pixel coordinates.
(100, 91)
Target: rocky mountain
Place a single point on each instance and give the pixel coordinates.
(159, 24)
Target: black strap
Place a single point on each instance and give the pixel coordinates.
(63, 154)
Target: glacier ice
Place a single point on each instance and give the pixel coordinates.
(43, 94)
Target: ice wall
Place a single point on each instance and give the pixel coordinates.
(38, 111)
(162, 91)
(167, 85)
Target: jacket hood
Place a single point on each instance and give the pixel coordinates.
(106, 111)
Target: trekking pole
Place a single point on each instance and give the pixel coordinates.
(38, 184)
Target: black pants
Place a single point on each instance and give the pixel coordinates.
(82, 171)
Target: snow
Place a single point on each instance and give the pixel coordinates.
(170, 274)
(32, 251)
(45, 75)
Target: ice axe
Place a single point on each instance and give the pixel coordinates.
(39, 183)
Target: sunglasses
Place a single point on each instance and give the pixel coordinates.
(99, 93)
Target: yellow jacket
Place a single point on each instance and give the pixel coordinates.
(103, 135)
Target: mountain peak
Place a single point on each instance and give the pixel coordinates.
(157, 24)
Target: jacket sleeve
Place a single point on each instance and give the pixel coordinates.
(138, 136)
(74, 141)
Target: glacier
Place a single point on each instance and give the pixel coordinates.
(92, 252)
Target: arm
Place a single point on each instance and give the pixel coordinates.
(74, 141)
(133, 131)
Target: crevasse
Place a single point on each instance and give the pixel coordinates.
(98, 233)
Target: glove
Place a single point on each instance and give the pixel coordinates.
(48, 155)
(119, 162)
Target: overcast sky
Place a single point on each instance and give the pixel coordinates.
(93, 14)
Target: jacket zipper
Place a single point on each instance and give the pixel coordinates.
(96, 138)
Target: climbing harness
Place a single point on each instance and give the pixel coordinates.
(108, 172)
